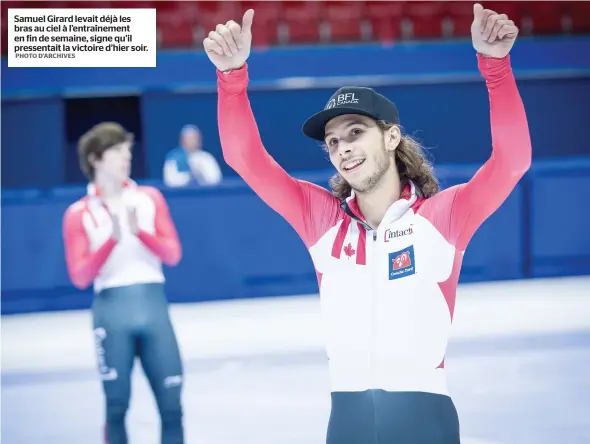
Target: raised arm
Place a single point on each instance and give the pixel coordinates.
(476, 200)
(243, 150)
(470, 204)
(242, 146)
(83, 265)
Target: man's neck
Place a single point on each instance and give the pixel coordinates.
(108, 189)
(374, 205)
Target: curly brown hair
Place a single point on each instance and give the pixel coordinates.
(411, 163)
(97, 140)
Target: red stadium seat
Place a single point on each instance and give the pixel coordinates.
(4, 8)
(426, 19)
(135, 4)
(385, 20)
(177, 24)
(266, 21)
(578, 15)
(51, 5)
(211, 14)
(300, 22)
(185, 24)
(16, 4)
(512, 9)
(87, 5)
(458, 19)
(4, 32)
(344, 20)
(542, 18)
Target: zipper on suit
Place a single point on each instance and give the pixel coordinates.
(374, 298)
(374, 291)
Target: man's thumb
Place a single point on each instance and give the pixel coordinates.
(247, 20)
(477, 10)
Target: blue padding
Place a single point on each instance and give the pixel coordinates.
(234, 245)
(496, 250)
(311, 66)
(441, 95)
(560, 218)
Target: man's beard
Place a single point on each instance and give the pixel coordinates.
(368, 184)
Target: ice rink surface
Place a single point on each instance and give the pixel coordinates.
(255, 371)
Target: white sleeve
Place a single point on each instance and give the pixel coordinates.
(173, 177)
(205, 168)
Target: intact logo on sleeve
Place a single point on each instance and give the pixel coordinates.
(402, 263)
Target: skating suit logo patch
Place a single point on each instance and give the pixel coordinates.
(402, 263)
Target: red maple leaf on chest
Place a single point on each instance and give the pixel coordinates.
(348, 250)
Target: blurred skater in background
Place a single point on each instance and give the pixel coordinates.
(116, 238)
(387, 244)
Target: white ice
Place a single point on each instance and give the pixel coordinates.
(256, 372)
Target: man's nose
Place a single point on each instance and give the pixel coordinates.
(345, 148)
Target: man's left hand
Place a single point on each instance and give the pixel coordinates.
(132, 220)
(492, 34)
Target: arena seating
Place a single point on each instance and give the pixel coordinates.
(185, 24)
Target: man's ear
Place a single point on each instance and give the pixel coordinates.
(92, 159)
(393, 137)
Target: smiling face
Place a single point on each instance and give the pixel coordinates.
(360, 151)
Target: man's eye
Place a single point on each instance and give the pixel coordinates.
(332, 142)
(355, 132)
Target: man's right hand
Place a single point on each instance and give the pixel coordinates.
(116, 223)
(228, 47)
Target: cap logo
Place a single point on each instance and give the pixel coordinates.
(342, 99)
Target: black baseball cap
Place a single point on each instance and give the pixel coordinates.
(351, 100)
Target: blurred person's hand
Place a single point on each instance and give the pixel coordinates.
(132, 220)
(116, 234)
(493, 34)
(228, 47)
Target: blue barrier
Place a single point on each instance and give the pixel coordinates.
(559, 218)
(541, 230)
(441, 96)
(303, 67)
(36, 129)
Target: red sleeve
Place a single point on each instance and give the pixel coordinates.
(308, 208)
(472, 203)
(82, 264)
(164, 243)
